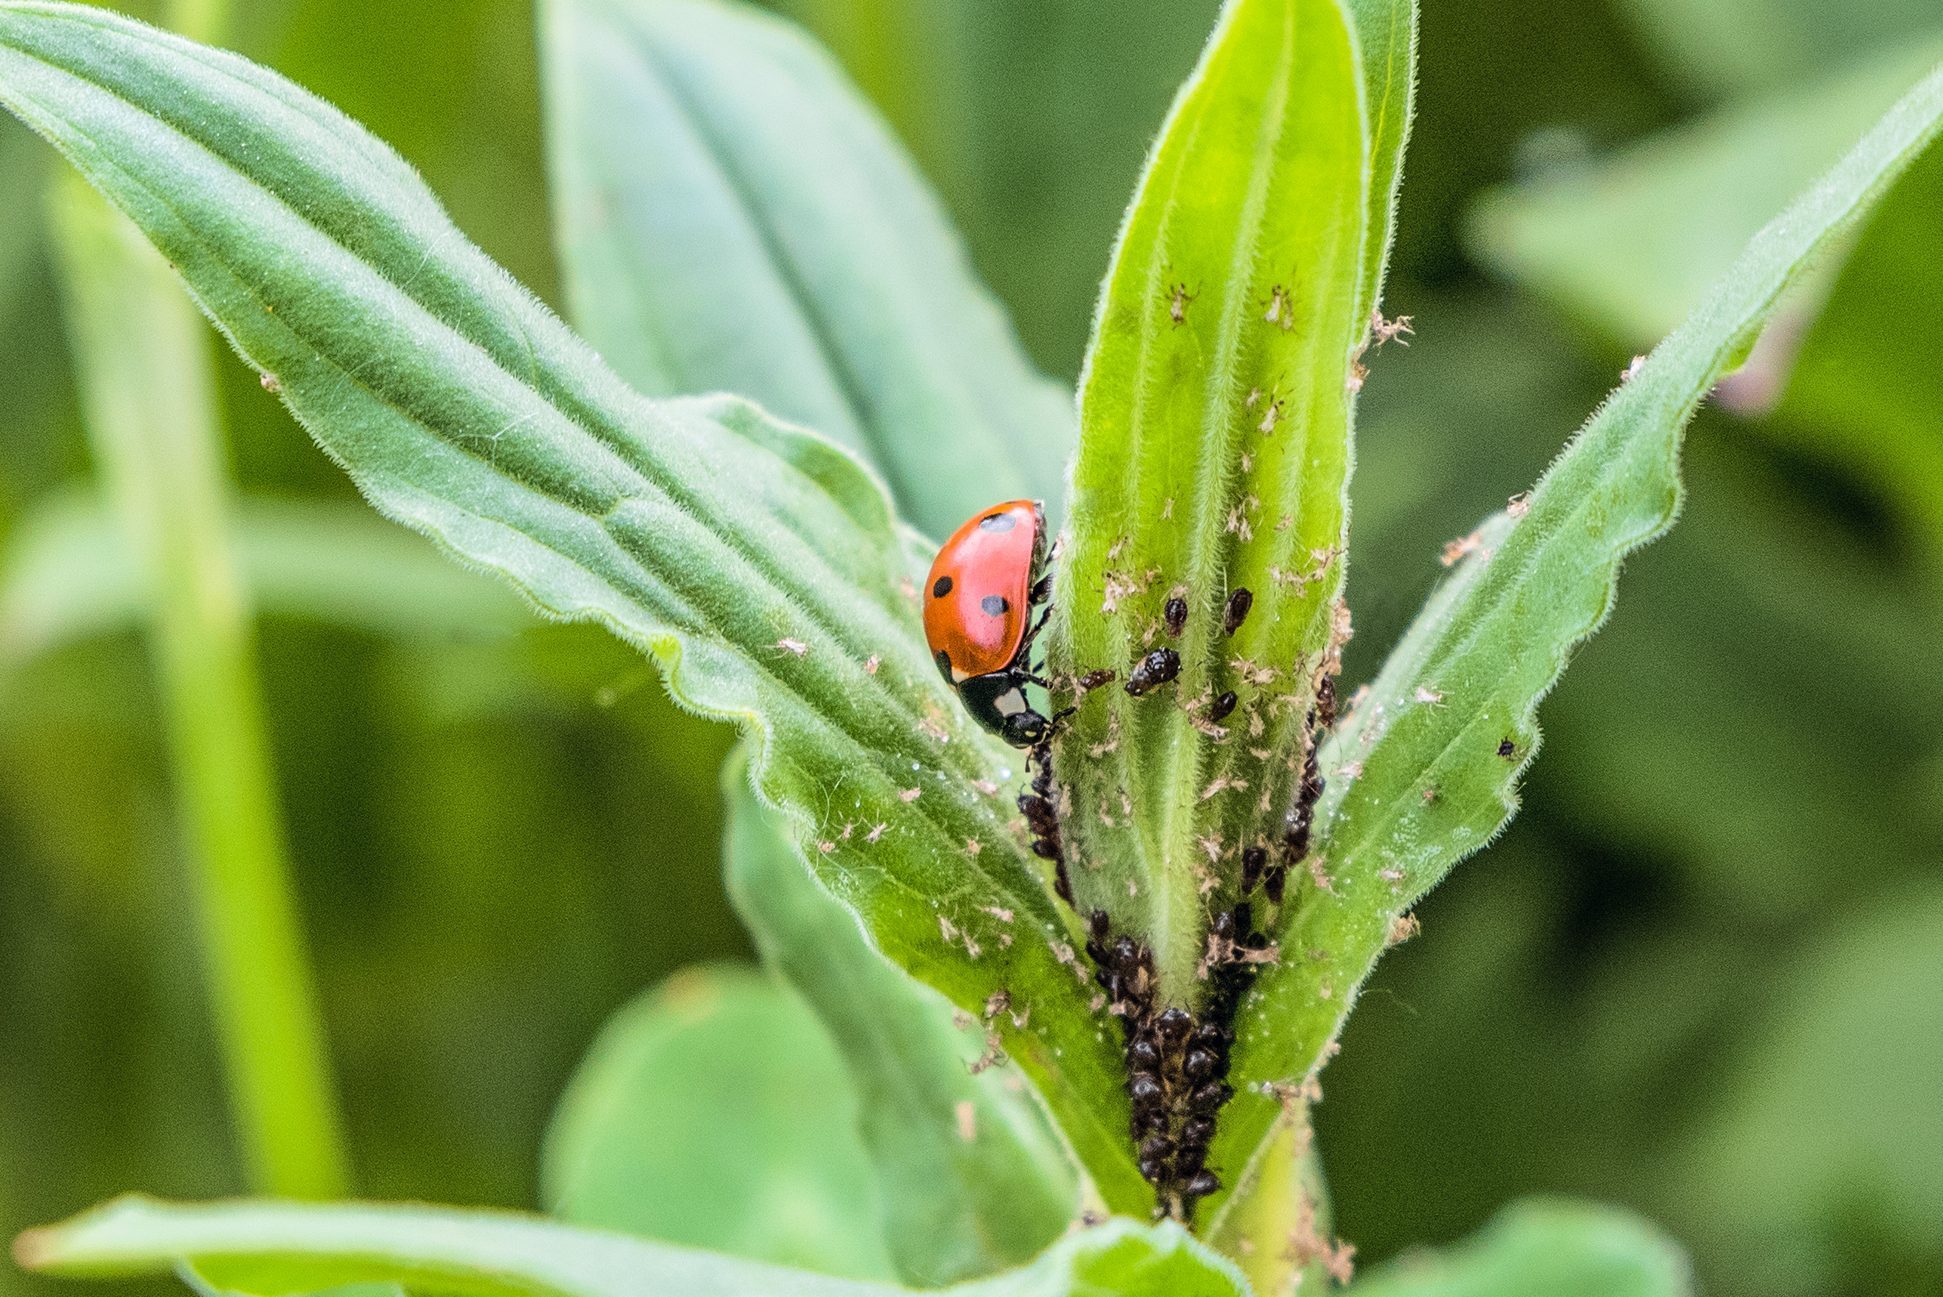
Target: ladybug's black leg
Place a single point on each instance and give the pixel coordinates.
(1032, 631)
(1042, 591)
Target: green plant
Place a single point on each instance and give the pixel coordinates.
(766, 570)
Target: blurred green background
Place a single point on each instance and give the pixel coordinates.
(1703, 973)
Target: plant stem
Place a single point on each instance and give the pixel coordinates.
(145, 371)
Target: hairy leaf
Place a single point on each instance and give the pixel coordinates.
(714, 1112)
(1543, 1249)
(759, 565)
(270, 1248)
(973, 1179)
(733, 216)
(1214, 458)
(1424, 770)
(1386, 39)
(70, 576)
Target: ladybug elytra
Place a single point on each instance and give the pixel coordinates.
(978, 617)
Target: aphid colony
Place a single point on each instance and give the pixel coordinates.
(980, 599)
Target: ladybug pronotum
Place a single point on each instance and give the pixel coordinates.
(978, 617)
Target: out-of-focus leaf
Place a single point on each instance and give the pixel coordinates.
(973, 1179)
(1727, 46)
(1543, 1249)
(734, 217)
(760, 566)
(1630, 245)
(1214, 458)
(269, 1248)
(1424, 769)
(1821, 1153)
(1684, 739)
(70, 575)
(714, 1112)
(1866, 386)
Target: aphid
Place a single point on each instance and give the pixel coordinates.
(978, 617)
(1219, 709)
(1178, 299)
(1507, 749)
(1237, 610)
(1175, 615)
(1173, 1025)
(1253, 861)
(1207, 1100)
(1094, 679)
(1153, 671)
(1280, 310)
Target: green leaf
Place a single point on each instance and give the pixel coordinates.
(714, 1112)
(759, 565)
(273, 1248)
(1630, 246)
(1543, 1249)
(973, 1179)
(70, 576)
(1386, 39)
(1865, 387)
(1820, 1144)
(1214, 457)
(733, 216)
(1424, 770)
(1751, 45)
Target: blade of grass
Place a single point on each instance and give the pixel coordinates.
(144, 360)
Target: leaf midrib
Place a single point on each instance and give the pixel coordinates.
(1180, 778)
(848, 384)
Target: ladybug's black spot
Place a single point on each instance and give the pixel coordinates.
(941, 588)
(997, 522)
(944, 662)
(994, 605)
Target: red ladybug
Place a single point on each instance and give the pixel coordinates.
(978, 604)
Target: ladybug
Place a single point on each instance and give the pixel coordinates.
(978, 617)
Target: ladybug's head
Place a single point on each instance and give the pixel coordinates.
(998, 702)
